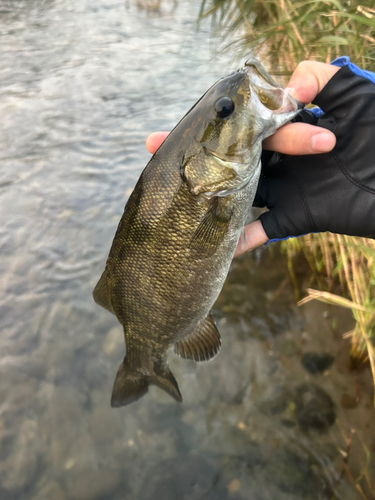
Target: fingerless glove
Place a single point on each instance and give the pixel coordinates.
(333, 191)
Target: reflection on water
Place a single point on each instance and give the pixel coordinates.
(81, 85)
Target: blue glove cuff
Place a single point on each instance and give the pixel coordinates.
(345, 61)
(274, 240)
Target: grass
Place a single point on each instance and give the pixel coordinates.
(286, 32)
(349, 261)
(283, 33)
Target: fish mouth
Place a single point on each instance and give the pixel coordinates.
(267, 96)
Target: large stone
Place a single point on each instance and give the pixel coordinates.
(314, 408)
(290, 473)
(317, 362)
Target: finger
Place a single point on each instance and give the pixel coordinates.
(154, 140)
(300, 139)
(255, 236)
(308, 79)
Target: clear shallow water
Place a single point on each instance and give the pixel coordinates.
(82, 84)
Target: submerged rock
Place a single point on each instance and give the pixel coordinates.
(95, 485)
(293, 473)
(290, 473)
(317, 362)
(288, 348)
(189, 477)
(275, 402)
(50, 491)
(314, 408)
(19, 471)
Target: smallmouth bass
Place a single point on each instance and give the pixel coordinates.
(181, 225)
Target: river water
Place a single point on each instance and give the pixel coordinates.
(82, 84)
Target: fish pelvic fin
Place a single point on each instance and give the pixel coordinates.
(201, 345)
(131, 384)
(164, 379)
(100, 293)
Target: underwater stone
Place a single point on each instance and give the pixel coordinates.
(94, 485)
(189, 477)
(314, 408)
(290, 472)
(276, 402)
(18, 472)
(50, 491)
(317, 362)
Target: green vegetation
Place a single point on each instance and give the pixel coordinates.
(350, 261)
(286, 32)
(283, 33)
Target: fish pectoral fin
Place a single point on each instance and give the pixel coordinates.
(129, 386)
(201, 345)
(100, 293)
(164, 379)
(212, 228)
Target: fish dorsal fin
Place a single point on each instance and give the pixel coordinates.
(213, 227)
(100, 293)
(201, 345)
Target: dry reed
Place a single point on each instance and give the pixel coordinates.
(282, 33)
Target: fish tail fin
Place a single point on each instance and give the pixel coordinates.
(129, 386)
(163, 378)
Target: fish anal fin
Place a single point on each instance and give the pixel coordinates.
(212, 228)
(100, 293)
(201, 345)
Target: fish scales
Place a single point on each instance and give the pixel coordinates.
(175, 241)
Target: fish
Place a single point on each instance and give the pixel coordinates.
(175, 241)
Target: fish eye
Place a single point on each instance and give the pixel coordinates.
(224, 107)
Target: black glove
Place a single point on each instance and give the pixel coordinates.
(333, 191)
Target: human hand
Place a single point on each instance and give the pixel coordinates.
(336, 191)
(295, 188)
(307, 81)
(294, 138)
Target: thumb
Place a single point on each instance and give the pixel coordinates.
(154, 140)
(308, 79)
(255, 236)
